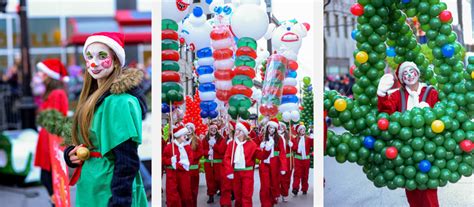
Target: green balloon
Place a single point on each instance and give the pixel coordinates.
(245, 60)
(307, 80)
(169, 24)
(242, 80)
(342, 149)
(168, 65)
(247, 42)
(409, 172)
(421, 178)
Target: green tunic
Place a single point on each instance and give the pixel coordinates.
(116, 120)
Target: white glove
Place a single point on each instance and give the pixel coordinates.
(269, 145)
(311, 136)
(290, 143)
(386, 82)
(185, 164)
(211, 152)
(230, 176)
(173, 161)
(283, 172)
(423, 105)
(212, 142)
(262, 145)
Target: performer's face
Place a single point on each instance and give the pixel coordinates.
(271, 130)
(99, 60)
(239, 134)
(410, 76)
(213, 130)
(301, 132)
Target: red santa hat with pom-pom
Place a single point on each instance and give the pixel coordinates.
(54, 69)
(113, 40)
(179, 131)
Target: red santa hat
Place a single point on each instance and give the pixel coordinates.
(191, 125)
(179, 131)
(232, 124)
(54, 69)
(273, 122)
(113, 40)
(299, 127)
(243, 126)
(282, 125)
(403, 67)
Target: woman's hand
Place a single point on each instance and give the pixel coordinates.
(73, 157)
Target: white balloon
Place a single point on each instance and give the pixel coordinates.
(207, 78)
(288, 42)
(222, 43)
(223, 85)
(205, 61)
(224, 64)
(295, 116)
(207, 96)
(286, 116)
(196, 32)
(175, 10)
(290, 82)
(249, 20)
(288, 107)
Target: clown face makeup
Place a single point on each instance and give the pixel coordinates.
(99, 60)
(213, 130)
(271, 130)
(410, 76)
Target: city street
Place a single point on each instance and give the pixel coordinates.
(347, 185)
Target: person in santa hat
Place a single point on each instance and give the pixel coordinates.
(196, 147)
(271, 168)
(214, 146)
(285, 179)
(227, 194)
(107, 127)
(301, 145)
(177, 158)
(53, 74)
(411, 94)
(239, 162)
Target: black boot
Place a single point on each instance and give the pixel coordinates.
(211, 199)
(304, 192)
(295, 192)
(232, 196)
(218, 192)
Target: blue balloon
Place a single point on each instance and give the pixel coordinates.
(197, 11)
(369, 142)
(406, 1)
(310, 88)
(204, 52)
(328, 121)
(204, 69)
(213, 114)
(289, 99)
(291, 74)
(208, 105)
(165, 108)
(391, 52)
(424, 166)
(354, 34)
(448, 50)
(204, 114)
(227, 10)
(206, 87)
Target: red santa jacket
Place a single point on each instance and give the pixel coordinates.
(308, 144)
(219, 148)
(278, 148)
(57, 100)
(251, 152)
(168, 153)
(393, 102)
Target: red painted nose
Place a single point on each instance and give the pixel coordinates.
(93, 65)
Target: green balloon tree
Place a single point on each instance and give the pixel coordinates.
(307, 113)
(422, 148)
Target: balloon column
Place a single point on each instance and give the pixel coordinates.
(222, 44)
(192, 114)
(248, 23)
(422, 148)
(196, 32)
(307, 112)
(273, 85)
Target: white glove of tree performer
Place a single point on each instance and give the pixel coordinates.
(173, 161)
(290, 143)
(282, 172)
(262, 145)
(386, 82)
(230, 176)
(269, 145)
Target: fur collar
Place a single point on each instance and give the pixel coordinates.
(129, 79)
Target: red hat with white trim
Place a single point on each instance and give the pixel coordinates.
(273, 122)
(54, 69)
(113, 40)
(180, 131)
(243, 126)
(299, 127)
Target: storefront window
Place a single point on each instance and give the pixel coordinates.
(3, 64)
(3, 33)
(44, 32)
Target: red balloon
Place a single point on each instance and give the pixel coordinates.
(445, 16)
(170, 55)
(357, 9)
(170, 76)
(301, 108)
(351, 70)
(169, 34)
(223, 74)
(391, 153)
(245, 70)
(219, 34)
(222, 54)
(246, 51)
(292, 65)
(272, 90)
(223, 95)
(289, 90)
(277, 57)
(466, 145)
(269, 110)
(241, 89)
(383, 124)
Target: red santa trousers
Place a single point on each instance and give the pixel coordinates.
(301, 174)
(226, 192)
(243, 188)
(213, 176)
(285, 179)
(264, 172)
(178, 188)
(422, 198)
(194, 184)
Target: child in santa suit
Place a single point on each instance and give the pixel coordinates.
(271, 168)
(285, 179)
(226, 188)
(196, 147)
(411, 94)
(301, 145)
(53, 74)
(239, 163)
(177, 158)
(214, 147)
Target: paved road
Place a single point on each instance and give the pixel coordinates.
(347, 185)
(300, 200)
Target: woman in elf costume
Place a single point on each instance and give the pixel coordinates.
(107, 128)
(53, 75)
(196, 147)
(214, 147)
(285, 179)
(239, 163)
(272, 167)
(301, 145)
(177, 158)
(411, 94)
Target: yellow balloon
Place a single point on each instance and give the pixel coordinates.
(340, 104)
(437, 126)
(362, 57)
(82, 153)
(472, 74)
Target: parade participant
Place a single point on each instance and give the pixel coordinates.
(53, 75)
(214, 147)
(239, 163)
(108, 122)
(271, 168)
(177, 157)
(302, 145)
(411, 94)
(196, 147)
(226, 189)
(285, 179)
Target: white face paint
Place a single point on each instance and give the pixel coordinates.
(213, 130)
(271, 130)
(99, 60)
(410, 76)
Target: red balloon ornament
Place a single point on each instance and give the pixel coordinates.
(445, 16)
(170, 76)
(391, 153)
(383, 124)
(222, 54)
(246, 51)
(466, 146)
(245, 70)
(351, 70)
(357, 9)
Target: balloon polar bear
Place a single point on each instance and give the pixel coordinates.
(175, 10)
(222, 12)
(286, 40)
